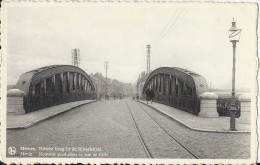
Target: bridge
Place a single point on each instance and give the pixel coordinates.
(55, 84)
(142, 131)
(177, 87)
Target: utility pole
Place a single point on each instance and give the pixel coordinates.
(148, 58)
(75, 57)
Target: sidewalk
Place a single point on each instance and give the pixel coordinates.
(27, 120)
(219, 124)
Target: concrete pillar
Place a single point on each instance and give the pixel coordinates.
(245, 104)
(15, 101)
(208, 105)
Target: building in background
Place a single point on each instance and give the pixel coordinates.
(111, 87)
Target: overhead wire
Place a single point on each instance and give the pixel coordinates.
(167, 25)
(172, 23)
(179, 16)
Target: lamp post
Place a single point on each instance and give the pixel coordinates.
(234, 36)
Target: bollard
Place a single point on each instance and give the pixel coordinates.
(208, 105)
(15, 101)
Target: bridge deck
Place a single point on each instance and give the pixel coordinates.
(220, 124)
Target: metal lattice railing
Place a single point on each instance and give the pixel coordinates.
(39, 101)
(223, 106)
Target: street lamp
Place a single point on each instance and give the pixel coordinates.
(234, 36)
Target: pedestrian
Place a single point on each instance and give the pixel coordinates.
(151, 95)
(147, 93)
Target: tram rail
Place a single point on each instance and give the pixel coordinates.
(170, 134)
(148, 153)
(145, 146)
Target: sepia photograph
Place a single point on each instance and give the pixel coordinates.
(135, 81)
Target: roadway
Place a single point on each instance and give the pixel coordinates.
(109, 129)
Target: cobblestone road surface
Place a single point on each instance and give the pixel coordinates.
(105, 129)
(206, 144)
(104, 124)
(158, 142)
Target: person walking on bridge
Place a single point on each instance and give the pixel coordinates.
(147, 95)
(151, 95)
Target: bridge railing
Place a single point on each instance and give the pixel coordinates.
(39, 101)
(224, 104)
(186, 103)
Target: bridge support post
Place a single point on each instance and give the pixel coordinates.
(208, 105)
(79, 81)
(15, 102)
(62, 82)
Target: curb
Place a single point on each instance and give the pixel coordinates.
(188, 126)
(47, 117)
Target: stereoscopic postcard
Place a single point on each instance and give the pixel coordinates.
(128, 81)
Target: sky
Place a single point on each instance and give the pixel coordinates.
(192, 36)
